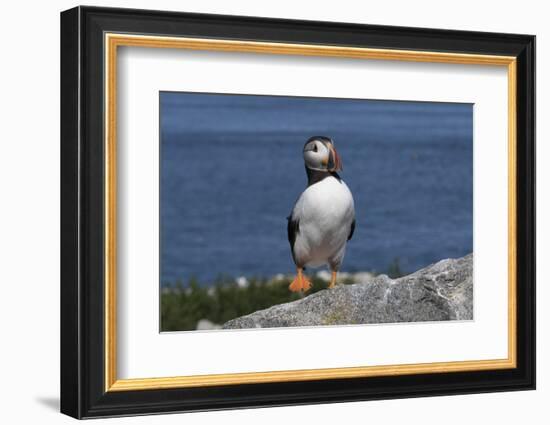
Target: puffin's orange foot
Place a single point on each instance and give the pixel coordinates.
(300, 283)
(306, 284)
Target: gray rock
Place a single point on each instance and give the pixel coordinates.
(442, 291)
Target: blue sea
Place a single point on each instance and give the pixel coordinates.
(232, 168)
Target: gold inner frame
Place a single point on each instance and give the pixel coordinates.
(113, 41)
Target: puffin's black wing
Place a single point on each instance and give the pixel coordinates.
(352, 229)
(292, 228)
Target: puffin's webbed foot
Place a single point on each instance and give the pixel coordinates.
(300, 282)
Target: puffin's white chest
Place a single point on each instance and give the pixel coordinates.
(325, 211)
(325, 204)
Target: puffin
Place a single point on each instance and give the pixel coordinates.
(323, 218)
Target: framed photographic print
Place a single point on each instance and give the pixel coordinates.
(261, 212)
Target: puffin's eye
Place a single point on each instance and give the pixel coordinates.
(315, 147)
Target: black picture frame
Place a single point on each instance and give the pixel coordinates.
(83, 392)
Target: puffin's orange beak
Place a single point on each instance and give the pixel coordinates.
(334, 161)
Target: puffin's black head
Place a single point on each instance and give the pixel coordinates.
(320, 154)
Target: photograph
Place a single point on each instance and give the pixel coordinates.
(288, 211)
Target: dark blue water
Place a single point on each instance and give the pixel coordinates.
(232, 168)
